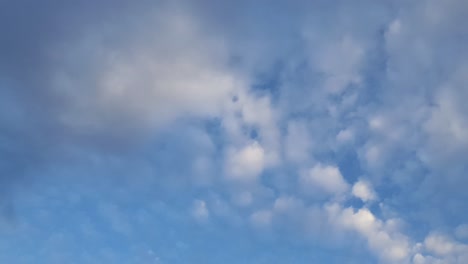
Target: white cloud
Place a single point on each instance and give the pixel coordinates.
(420, 259)
(259, 114)
(245, 164)
(345, 136)
(251, 114)
(325, 178)
(167, 69)
(389, 245)
(364, 191)
(440, 248)
(442, 245)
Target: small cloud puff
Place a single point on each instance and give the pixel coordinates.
(245, 164)
(364, 191)
(326, 178)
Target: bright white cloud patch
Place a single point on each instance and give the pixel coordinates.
(440, 248)
(324, 178)
(441, 245)
(388, 245)
(363, 190)
(245, 164)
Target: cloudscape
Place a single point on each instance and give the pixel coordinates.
(157, 132)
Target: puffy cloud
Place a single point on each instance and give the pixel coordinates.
(441, 245)
(324, 178)
(420, 259)
(363, 190)
(258, 113)
(245, 164)
(440, 248)
(345, 136)
(390, 246)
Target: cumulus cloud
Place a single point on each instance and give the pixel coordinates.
(440, 248)
(442, 245)
(363, 190)
(324, 178)
(245, 164)
(390, 246)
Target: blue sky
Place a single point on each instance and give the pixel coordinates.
(234, 131)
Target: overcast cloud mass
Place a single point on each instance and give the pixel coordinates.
(234, 131)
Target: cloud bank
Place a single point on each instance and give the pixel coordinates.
(287, 132)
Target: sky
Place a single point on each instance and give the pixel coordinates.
(157, 132)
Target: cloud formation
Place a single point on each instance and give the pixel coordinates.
(153, 132)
